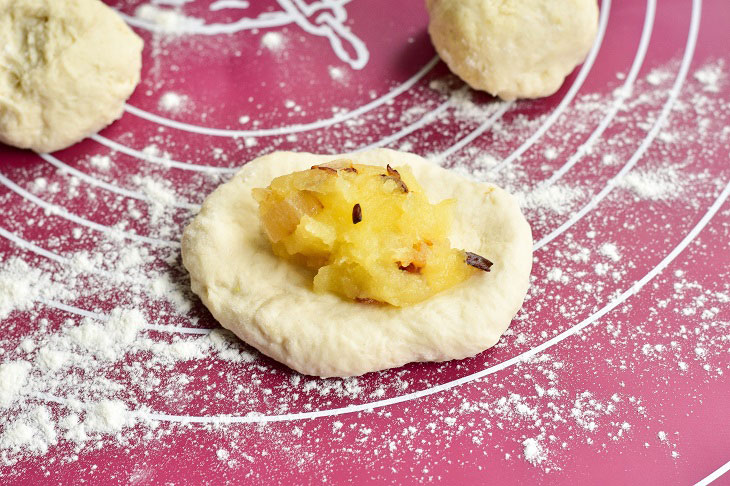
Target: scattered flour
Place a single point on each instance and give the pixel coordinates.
(611, 251)
(33, 431)
(533, 451)
(173, 102)
(13, 376)
(108, 340)
(167, 21)
(655, 184)
(101, 162)
(658, 76)
(108, 417)
(159, 191)
(160, 194)
(337, 73)
(710, 76)
(551, 153)
(20, 286)
(557, 198)
(273, 41)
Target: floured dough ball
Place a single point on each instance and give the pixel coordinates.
(66, 68)
(513, 48)
(270, 303)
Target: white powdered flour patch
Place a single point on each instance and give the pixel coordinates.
(13, 376)
(611, 251)
(273, 41)
(108, 416)
(108, 340)
(654, 184)
(533, 451)
(167, 20)
(337, 73)
(556, 198)
(160, 193)
(711, 76)
(33, 431)
(173, 102)
(101, 162)
(20, 286)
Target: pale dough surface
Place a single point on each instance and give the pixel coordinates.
(268, 302)
(513, 48)
(66, 68)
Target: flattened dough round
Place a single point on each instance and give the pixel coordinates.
(66, 68)
(513, 48)
(268, 302)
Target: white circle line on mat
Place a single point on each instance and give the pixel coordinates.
(423, 121)
(26, 245)
(73, 310)
(651, 135)
(476, 132)
(155, 159)
(102, 318)
(274, 19)
(177, 329)
(20, 242)
(63, 213)
(624, 92)
(66, 169)
(83, 312)
(304, 127)
(568, 98)
(715, 475)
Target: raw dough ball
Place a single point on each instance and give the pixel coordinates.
(66, 68)
(269, 303)
(513, 48)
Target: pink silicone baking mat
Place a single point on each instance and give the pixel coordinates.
(614, 372)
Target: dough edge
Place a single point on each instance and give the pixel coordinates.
(508, 59)
(269, 304)
(83, 89)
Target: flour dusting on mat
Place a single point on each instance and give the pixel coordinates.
(274, 41)
(173, 102)
(533, 451)
(167, 20)
(105, 347)
(655, 184)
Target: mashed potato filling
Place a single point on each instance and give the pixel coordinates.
(370, 232)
